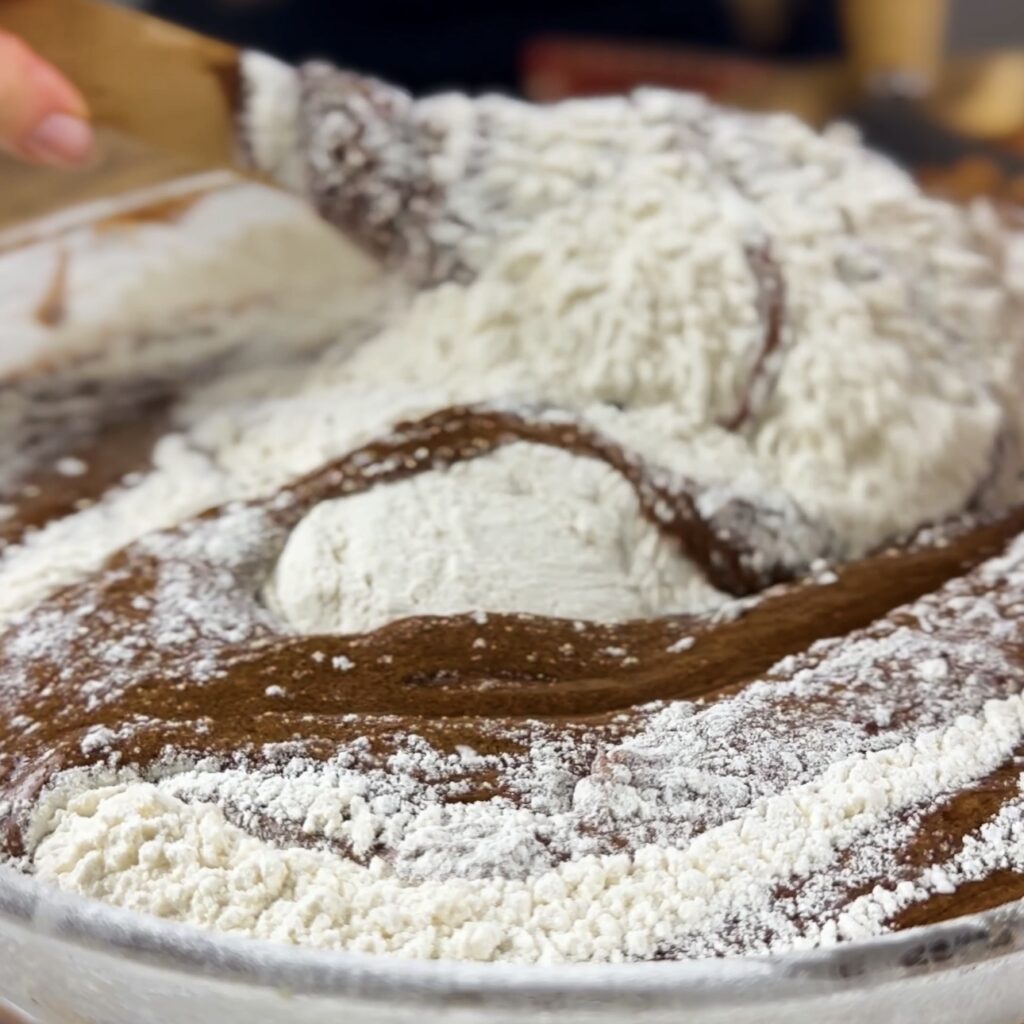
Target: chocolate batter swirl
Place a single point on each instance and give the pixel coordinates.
(186, 604)
(169, 648)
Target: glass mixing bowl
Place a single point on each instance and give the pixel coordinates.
(65, 959)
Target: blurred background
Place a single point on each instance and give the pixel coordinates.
(938, 83)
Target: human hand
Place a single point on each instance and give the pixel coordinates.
(43, 117)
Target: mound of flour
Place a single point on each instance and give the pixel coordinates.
(526, 529)
(629, 253)
(778, 315)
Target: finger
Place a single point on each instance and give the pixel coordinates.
(43, 117)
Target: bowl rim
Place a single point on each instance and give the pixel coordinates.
(29, 904)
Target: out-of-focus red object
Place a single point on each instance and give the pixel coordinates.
(554, 68)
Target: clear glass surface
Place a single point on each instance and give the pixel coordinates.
(65, 959)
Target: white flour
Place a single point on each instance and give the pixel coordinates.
(139, 293)
(139, 847)
(619, 260)
(997, 845)
(527, 529)
(718, 804)
(881, 410)
(607, 244)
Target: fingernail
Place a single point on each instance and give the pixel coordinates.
(59, 139)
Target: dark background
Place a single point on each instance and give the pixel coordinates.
(431, 44)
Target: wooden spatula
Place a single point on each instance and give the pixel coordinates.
(162, 99)
(162, 84)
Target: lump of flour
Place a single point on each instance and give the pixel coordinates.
(526, 529)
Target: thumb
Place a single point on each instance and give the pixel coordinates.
(43, 117)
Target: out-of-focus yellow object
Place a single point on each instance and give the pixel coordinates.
(901, 43)
(982, 97)
(896, 42)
